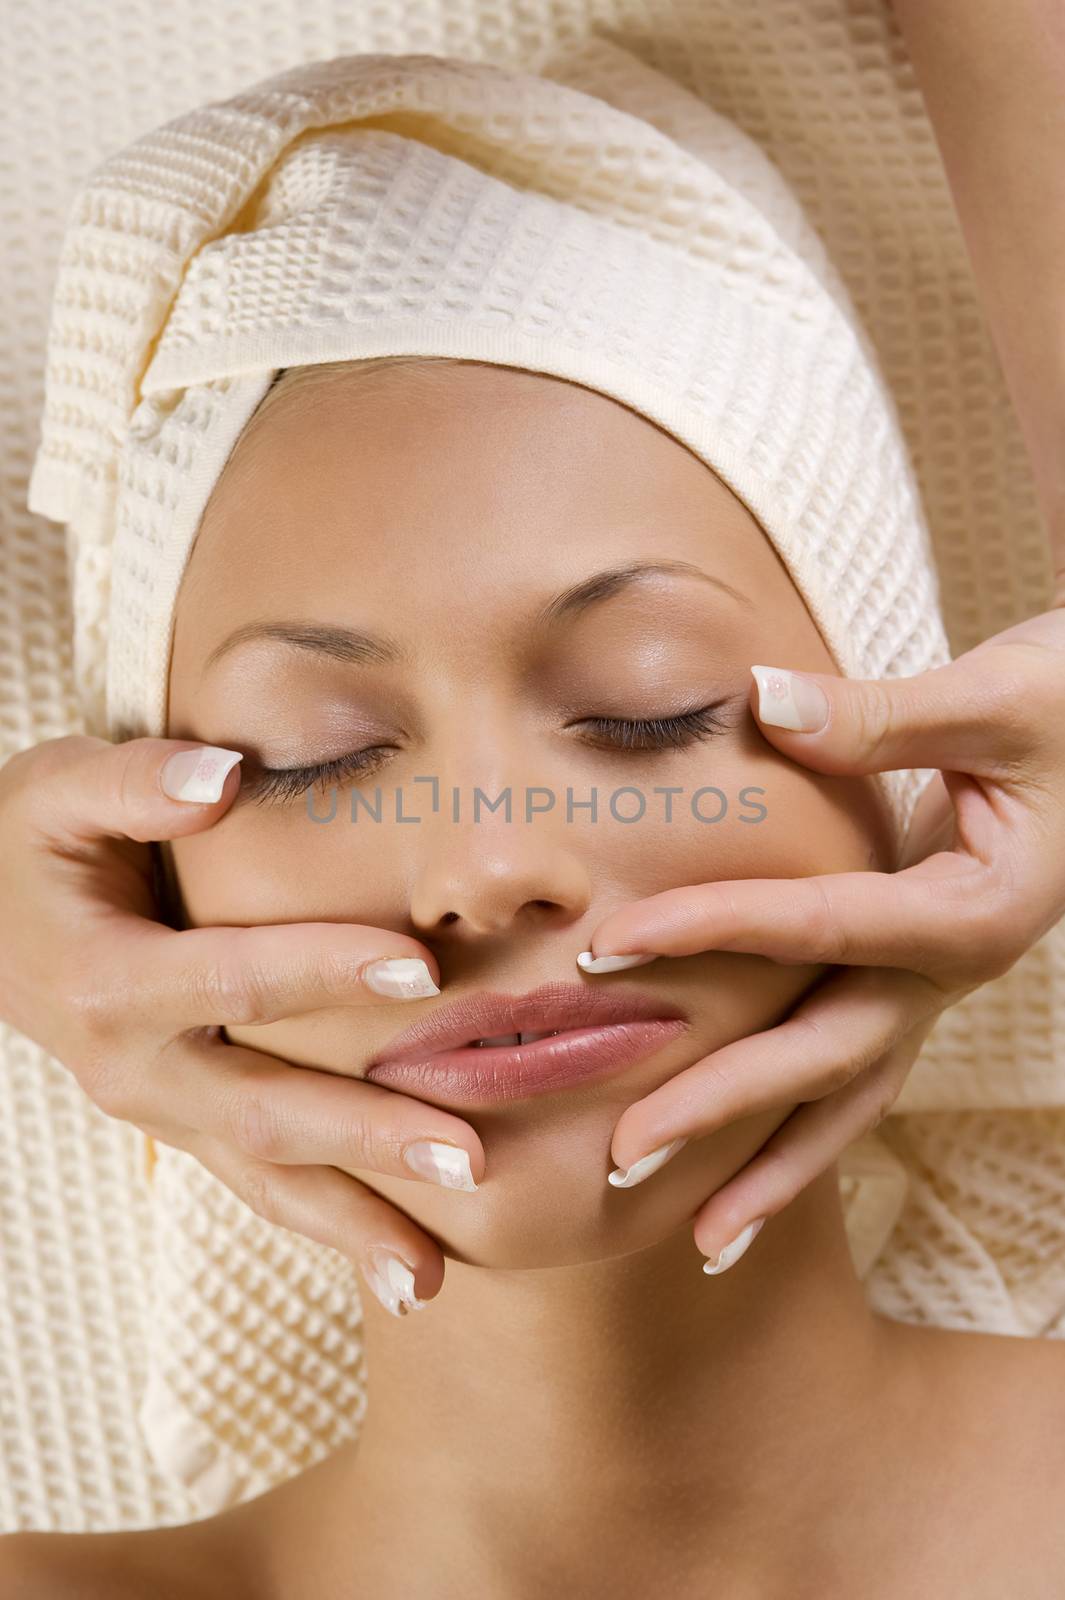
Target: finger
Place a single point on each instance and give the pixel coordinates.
(289, 1115)
(87, 789)
(949, 917)
(165, 981)
(841, 1029)
(804, 1146)
(969, 715)
(399, 1262)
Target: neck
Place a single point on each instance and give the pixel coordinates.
(593, 1399)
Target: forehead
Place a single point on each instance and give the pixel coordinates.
(417, 488)
(495, 420)
(498, 449)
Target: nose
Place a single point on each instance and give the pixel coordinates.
(509, 861)
(486, 881)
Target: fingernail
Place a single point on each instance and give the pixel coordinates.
(732, 1252)
(790, 700)
(401, 978)
(392, 1281)
(589, 963)
(645, 1166)
(446, 1164)
(198, 775)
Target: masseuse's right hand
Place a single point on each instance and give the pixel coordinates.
(134, 1009)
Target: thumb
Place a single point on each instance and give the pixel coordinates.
(947, 718)
(88, 789)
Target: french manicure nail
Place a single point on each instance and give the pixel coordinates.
(401, 978)
(732, 1252)
(392, 1281)
(790, 700)
(645, 1166)
(589, 963)
(198, 775)
(446, 1164)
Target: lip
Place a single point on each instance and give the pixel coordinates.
(600, 1030)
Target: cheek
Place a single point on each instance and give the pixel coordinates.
(749, 814)
(262, 866)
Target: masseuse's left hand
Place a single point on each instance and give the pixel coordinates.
(980, 879)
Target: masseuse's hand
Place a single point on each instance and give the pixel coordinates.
(134, 1009)
(981, 878)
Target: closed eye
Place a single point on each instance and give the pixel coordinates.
(278, 784)
(659, 733)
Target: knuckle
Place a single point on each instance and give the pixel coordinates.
(827, 942)
(229, 990)
(378, 1145)
(875, 718)
(838, 1074)
(989, 941)
(336, 974)
(369, 1146)
(1014, 706)
(253, 1124)
(130, 778)
(260, 1187)
(95, 1038)
(107, 1085)
(90, 1006)
(1013, 697)
(717, 1088)
(993, 961)
(834, 1071)
(100, 1023)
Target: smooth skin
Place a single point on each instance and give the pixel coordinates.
(584, 1409)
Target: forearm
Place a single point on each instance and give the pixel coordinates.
(992, 75)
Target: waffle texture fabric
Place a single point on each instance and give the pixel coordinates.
(242, 1347)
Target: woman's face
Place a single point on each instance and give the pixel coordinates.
(442, 509)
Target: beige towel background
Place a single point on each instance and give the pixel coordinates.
(957, 1217)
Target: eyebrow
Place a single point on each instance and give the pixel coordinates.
(356, 647)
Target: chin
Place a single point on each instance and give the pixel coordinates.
(545, 1200)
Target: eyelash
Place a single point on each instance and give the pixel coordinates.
(278, 784)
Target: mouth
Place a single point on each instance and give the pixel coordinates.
(489, 1048)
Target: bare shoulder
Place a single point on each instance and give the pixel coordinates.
(992, 1427)
(1016, 1425)
(1011, 1387)
(1020, 1383)
(178, 1563)
(275, 1546)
